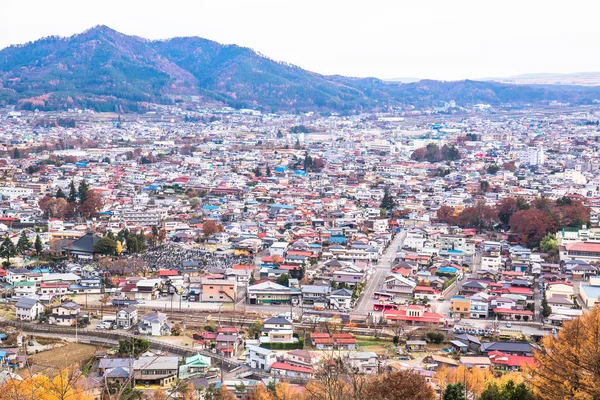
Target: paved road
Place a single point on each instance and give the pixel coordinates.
(379, 272)
(443, 307)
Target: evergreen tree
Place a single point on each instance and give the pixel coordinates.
(141, 238)
(7, 249)
(106, 246)
(132, 244)
(72, 193)
(84, 188)
(546, 310)
(123, 235)
(283, 279)
(60, 194)
(387, 202)
(110, 234)
(155, 231)
(39, 247)
(16, 153)
(24, 244)
(454, 391)
(268, 172)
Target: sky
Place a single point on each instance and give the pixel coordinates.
(435, 39)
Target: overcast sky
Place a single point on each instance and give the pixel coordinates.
(438, 39)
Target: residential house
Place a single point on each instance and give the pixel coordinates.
(28, 309)
(219, 290)
(65, 314)
(260, 358)
(127, 317)
(155, 324)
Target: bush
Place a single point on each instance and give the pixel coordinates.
(435, 337)
(283, 346)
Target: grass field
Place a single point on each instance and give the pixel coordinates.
(51, 361)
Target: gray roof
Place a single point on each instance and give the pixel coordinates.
(26, 303)
(508, 347)
(114, 363)
(161, 362)
(278, 321)
(155, 316)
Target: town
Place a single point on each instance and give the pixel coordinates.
(200, 251)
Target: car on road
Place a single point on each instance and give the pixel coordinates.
(508, 325)
(276, 303)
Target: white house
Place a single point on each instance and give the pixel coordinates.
(260, 358)
(154, 323)
(28, 308)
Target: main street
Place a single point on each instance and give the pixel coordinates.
(379, 272)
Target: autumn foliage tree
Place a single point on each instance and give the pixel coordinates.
(210, 227)
(567, 365)
(68, 384)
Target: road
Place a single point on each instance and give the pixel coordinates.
(378, 273)
(443, 307)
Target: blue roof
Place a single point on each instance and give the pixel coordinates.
(448, 270)
(284, 206)
(209, 207)
(591, 292)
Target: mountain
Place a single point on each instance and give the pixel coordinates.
(578, 79)
(107, 70)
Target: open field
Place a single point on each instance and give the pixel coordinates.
(51, 361)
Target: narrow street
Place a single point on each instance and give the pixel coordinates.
(379, 272)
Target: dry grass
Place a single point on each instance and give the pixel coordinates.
(51, 361)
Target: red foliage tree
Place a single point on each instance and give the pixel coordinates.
(532, 225)
(445, 214)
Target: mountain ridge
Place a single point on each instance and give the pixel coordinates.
(103, 69)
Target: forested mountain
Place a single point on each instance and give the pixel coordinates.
(107, 70)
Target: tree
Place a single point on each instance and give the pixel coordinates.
(387, 202)
(39, 247)
(106, 246)
(492, 169)
(484, 186)
(225, 394)
(7, 249)
(60, 194)
(136, 345)
(141, 239)
(72, 193)
(24, 244)
(16, 153)
(210, 227)
(532, 225)
(454, 391)
(118, 248)
(283, 279)
(445, 214)
(83, 191)
(268, 171)
(567, 363)
(404, 384)
(132, 244)
(92, 204)
(546, 310)
(549, 243)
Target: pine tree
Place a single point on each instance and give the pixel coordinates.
(83, 191)
(72, 193)
(60, 194)
(545, 307)
(24, 244)
(387, 202)
(268, 171)
(141, 239)
(16, 153)
(39, 247)
(7, 249)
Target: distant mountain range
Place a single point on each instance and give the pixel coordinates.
(106, 70)
(577, 79)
